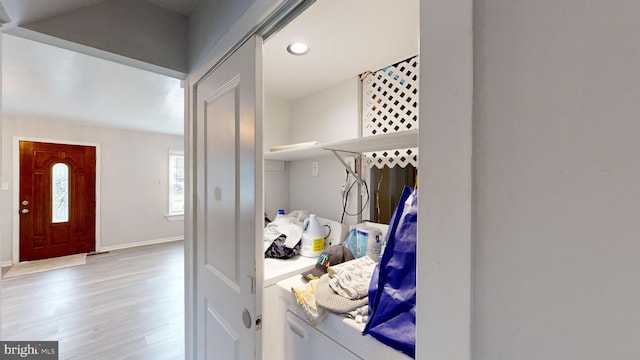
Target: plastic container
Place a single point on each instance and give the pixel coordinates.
(280, 213)
(373, 241)
(364, 240)
(312, 243)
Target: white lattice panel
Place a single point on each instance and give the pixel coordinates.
(390, 104)
(391, 158)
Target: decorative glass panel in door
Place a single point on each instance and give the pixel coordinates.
(60, 193)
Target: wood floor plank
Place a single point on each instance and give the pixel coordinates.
(126, 304)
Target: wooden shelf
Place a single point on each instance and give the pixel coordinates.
(307, 152)
(397, 140)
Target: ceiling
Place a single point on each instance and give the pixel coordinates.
(40, 80)
(347, 37)
(182, 7)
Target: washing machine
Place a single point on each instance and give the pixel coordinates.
(273, 309)
(335, 337)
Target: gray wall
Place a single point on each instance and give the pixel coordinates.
(209, 22)
(557, 180)
(131, 28)
(134, 176)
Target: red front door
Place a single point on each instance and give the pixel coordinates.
(57, 200)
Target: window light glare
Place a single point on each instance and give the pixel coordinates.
(298, 48)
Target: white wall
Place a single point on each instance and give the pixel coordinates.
(320, 195)
(557, 180)
(444, 221)
(276, 187)
(276, 131)
(277, 123)
(329, 115)
(2, 210)
(134, 176)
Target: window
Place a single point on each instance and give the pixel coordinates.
(176, 183)
(60, 193)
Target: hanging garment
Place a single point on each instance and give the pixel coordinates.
(392, 292)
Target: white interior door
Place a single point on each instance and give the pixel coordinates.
(228, 208)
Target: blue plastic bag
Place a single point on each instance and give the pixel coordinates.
(392, 291)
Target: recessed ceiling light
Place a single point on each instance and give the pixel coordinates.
(298, 48)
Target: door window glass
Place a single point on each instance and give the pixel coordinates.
(60, 193)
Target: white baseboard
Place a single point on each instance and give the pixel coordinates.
(7, 263)
(140, 243)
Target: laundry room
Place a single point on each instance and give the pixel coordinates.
(340, 144)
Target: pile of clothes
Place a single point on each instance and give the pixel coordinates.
(282, 235)
(345, 285)
(338, 283)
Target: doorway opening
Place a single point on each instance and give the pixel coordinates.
(38, 221)
(131, 171)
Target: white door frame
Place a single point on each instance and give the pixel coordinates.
(16, 188)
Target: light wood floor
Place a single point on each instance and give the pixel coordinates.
(127, 304)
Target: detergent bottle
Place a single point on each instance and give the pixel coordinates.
(312, 237)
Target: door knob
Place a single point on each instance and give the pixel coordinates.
(25, 202)
(25, 211)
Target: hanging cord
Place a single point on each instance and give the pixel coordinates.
(344, 205)
(345, 200)
(378, 195)
(364, 206)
